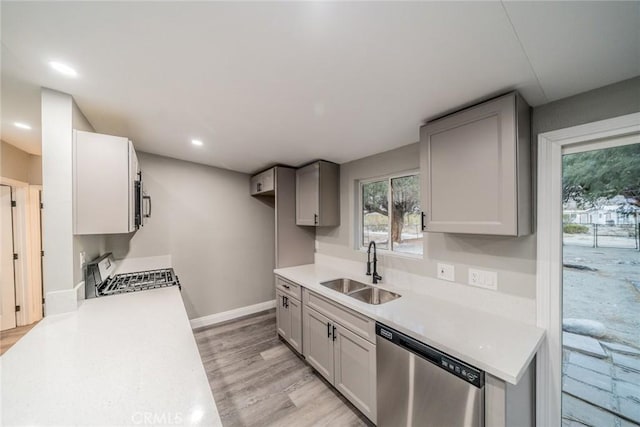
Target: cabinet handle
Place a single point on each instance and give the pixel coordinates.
(315, 219)
(259, 186)
(148, 199)
(422, 220)
(286, 302)
(328, 330)
(334, 333)
(283, 301)
(287, 286)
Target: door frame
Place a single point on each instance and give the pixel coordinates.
(27, 268)
(549, 250)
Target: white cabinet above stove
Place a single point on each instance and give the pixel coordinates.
(107, 193)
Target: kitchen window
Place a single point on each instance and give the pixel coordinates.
(395, 226)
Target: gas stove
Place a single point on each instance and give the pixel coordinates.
(100, 280)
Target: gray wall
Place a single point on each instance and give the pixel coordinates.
(20, 165)
(220, 238)
(513, 258)
(606, 102)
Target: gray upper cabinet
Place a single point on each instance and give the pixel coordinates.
(105, 170)
(476, 172)
(318, 194)
(263, 183)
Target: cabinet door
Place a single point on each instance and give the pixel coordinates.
(295, 315)
(256, 184)
(355, 370)
(268, 180)
(328, 194)
(283, 318)
(263, 183)
(469, 174)
(307, 194)
(318, 344)
(101, 186)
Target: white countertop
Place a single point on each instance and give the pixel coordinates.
(500, 346)
(127, 359)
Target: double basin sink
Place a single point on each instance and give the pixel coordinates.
(360, 291)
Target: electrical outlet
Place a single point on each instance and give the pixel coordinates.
(483, 279)
(446, 272)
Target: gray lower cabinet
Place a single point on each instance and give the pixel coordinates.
(345, 359)
(355, 370)
(318, 343)
(289, 319)
(475, 169)
(295, 310)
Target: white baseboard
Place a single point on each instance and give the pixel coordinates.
(212, 319)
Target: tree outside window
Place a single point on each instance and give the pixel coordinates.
(394, 226)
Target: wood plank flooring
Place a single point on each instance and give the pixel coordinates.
(11, 336)
(257, 380)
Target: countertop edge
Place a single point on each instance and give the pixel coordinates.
(510, 377)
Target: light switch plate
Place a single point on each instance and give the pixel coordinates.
(446, 272)
(83, 258)
(483, 279)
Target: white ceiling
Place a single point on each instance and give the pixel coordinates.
(263, 83)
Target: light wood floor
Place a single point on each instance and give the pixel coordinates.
(11, 336)
(258, 381)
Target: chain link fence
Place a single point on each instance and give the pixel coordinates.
(621, 236)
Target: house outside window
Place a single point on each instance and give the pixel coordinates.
(390, 214)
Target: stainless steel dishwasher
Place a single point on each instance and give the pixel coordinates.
(421, 386)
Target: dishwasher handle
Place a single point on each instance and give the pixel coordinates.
(450, 364)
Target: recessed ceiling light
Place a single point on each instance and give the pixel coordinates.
(196, 142)
(63, 69)
(22, 125)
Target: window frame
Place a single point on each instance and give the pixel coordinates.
(360, 217)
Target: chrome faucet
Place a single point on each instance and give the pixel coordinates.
(376, 276)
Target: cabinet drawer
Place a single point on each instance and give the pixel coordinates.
(348, 318)
(289, 288)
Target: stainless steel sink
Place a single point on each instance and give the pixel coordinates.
(360, 291)
(375, 296)
(344, 286)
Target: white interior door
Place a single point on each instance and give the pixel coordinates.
(7, 277)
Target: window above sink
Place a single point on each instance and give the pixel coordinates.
(390, 214)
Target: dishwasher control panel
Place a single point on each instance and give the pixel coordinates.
(467, 373)
(454, 366)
